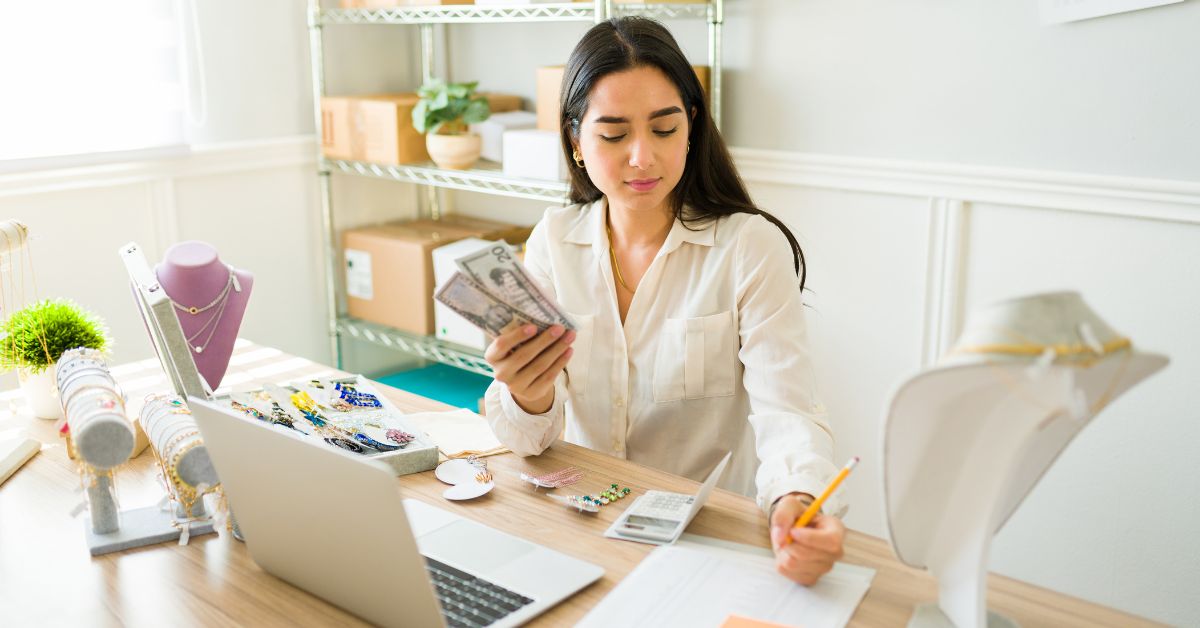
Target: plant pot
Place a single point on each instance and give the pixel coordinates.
(454, 152)
(40, 393)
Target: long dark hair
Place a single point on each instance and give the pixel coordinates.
(710, 186)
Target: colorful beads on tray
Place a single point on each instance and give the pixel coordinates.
(612, 494)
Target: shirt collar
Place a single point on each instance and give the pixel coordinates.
(590, 229)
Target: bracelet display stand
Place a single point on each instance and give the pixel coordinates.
(102, 437)
(187, 471)
(967, 440)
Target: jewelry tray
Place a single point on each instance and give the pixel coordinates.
(421, 454)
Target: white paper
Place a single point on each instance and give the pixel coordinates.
(1059, 11)
(701, 585)
(358, 274)
(455, 431)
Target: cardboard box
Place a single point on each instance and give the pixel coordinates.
(491, 230)
(500, 103)
(382, 132)
(378, 128)
(389, 269)
(375, 128)
(549, 84)
(388, 4)
(534, 154)
(335, 128)
(491, 131)
(497, 3)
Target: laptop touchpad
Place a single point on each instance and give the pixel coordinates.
(473, 546)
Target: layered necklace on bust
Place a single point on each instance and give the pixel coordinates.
(217, 306)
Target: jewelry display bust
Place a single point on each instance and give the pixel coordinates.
(210, 299)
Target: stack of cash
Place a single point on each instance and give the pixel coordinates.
(494, 292)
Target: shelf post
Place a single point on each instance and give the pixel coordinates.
(716, 19)
(316, 50)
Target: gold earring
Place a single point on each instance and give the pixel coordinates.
(578, 158)
(689, 147)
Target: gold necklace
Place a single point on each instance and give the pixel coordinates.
(612, 254)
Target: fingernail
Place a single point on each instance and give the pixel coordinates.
(556, 331)
(529, 330)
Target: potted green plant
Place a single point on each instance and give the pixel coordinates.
(444, 114)
(34, 337)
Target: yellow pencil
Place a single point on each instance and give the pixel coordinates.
(815, 507)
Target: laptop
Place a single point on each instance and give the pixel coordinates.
(335, 525)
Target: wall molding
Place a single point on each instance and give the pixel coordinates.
(1151, 199)
(200, 161)
(946, 262)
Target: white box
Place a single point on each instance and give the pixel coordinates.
(492, 130)
(448, 325)
(534, 154)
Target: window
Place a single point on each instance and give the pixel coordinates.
(86, 78)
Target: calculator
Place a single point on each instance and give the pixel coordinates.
(657, 515)
(661, 516)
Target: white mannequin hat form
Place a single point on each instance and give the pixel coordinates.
(966, 440)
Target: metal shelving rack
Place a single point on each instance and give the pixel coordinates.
(484, 179)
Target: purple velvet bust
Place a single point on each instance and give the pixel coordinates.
(210, 299)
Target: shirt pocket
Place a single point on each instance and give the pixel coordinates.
(696, 358)
(579, 366)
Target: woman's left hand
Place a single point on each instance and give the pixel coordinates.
(813, 550)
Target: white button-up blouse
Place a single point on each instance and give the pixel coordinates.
(713, 357)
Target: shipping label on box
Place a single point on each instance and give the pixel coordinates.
(358, 275)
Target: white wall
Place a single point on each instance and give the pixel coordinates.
(254, 203)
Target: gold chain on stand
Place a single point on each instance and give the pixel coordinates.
(1090, 355)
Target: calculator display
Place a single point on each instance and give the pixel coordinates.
(650, 524)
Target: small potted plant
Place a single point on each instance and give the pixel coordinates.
(444, 113)
(32, 340)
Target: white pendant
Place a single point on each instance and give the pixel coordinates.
(199, 349)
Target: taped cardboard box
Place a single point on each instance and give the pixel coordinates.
(378, 128)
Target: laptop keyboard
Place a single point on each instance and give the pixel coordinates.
(468, 601)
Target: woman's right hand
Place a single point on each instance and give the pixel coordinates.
(529, 364)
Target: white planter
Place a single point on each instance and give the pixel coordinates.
(455, 152)
(41, 393)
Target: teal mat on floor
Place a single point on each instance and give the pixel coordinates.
(444, 383)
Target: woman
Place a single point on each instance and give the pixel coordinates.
(690, 335)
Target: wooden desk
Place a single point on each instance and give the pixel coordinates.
(47, 576)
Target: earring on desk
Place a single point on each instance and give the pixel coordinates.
(483, 476)
(609, 495)
(557, 479)
(577, 502)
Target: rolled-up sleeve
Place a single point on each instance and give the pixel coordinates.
(528, 434)
(792, 435)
